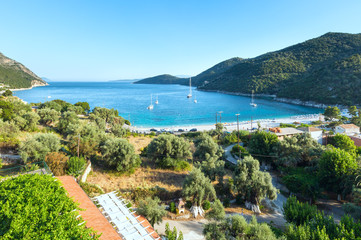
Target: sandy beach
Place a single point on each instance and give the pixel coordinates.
(244, 125)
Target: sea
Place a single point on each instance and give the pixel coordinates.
(173, 108)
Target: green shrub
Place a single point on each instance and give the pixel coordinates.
(172, 207)
(76, 166)
(206, 205)
(297, 212)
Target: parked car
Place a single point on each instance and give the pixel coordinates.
(193, 130)
(153, 130)
(180, 130)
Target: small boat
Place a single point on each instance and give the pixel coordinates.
(150, 107)
(195, 99)
(190, 88)
(252, 102)
(156, 101)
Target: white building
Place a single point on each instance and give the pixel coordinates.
(315, 133)
(348, 129)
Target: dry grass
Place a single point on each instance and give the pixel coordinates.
(145, 176)
(139, 142)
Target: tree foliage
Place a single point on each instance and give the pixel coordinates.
(344, 142)
(151, 209)
(297, 212)
(36, 147)
(298, 150)
(37, 207)
(217, 212)
(262, 143)
(48, 116)
(172, 234)
(119, 153)
(168, 150)
(236, 227)
(332, 114)
(198, 187)
(334, 165)
(251, 183)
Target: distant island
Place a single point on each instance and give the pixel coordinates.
(15, 75)
(325, 70)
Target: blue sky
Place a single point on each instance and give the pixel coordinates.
(108, 40)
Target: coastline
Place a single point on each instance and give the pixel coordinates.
(244, 125)
(35, 85)
(283, 100)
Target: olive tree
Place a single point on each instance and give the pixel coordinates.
(168, 150)
(198, 188)
(151, 209)
(251, 183)
(297, 150)
(217, 211)
(119, 153)
(36, 147)
(48, 116)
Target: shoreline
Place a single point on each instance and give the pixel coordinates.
(243, 125)
(283, 100)
(22, 89)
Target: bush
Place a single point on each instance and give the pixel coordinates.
(226, 203)
(172, 207)
(57, 163)
(76, 166)
(297, 212)
(206, 205)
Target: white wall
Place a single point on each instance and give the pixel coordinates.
(317, 136)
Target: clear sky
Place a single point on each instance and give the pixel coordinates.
(108, 40)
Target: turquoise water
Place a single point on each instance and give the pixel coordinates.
(174, 108)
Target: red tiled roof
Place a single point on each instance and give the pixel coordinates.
(91, 214)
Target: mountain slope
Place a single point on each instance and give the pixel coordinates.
(198, 80)
(16, 75)
(161, 79)
(326, 69)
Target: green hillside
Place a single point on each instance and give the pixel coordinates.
(16, 75)
(161, 79)
(198, 80)
(325, 69)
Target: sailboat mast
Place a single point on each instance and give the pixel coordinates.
(190, 86)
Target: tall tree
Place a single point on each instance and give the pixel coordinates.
(251, 183)
(198, 187)
(262, 143)
(332, 114)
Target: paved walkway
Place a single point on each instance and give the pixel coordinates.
(192, 230)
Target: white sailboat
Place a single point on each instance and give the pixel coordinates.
(150, 107)
(252, 102)
(195, 99)
(190, 88)
(156, 101)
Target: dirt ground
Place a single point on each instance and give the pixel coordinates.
(145, 176)
(139, 142)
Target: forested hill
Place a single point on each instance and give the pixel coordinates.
(161, 79)
(326, 69)
(16, 75)
(198, 80)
